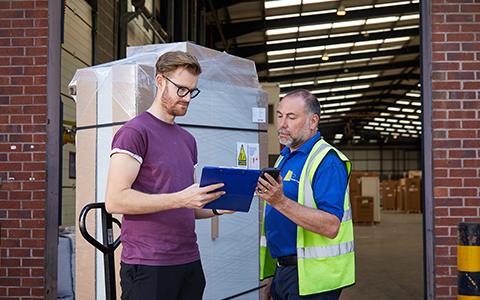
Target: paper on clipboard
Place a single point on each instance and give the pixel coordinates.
(240, 186)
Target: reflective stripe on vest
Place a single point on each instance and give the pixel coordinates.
(325, 251)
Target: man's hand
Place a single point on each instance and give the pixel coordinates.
(271, 191)
(196, 197)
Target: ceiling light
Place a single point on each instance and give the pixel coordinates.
(341, 11)
(325, 57)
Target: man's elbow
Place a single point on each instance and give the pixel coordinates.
(110, 206)
(332, 233)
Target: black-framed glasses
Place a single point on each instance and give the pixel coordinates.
(183, 91)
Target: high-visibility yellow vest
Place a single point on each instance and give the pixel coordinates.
(323, 264)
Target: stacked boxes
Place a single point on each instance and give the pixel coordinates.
(365, 209)
(365, 184)
(389, 192)
(409, 195)
(413, 197)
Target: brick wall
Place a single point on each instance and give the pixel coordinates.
(23, 85)
(456, 129)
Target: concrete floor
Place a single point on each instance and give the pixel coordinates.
(389, 259)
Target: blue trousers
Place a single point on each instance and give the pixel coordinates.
(285, 286)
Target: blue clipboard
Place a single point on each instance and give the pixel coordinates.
(239, 185)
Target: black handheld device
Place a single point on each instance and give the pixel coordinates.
(274, 172)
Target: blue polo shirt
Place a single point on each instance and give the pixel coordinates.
(329, 186)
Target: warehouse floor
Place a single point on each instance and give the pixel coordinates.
(389, 259)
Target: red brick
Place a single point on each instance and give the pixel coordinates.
(460, 37)
(33, 185)
(471, 124)
(35, 70)
(10, 282)
(33, 282)
(446, 124)
(463, 173)
(21, 99)
(439, 153)
(446, 104)
(34, 204)
(446, 163)
(19, 233)
(20, 156)
(471, 85)
(437, 96)
(450, 182)
(25, 80)
(437, 115)
(462, 95)
(462, 134)
(444, 28)
(38, 13)
(460, 18)
(33, 243)
(19, 252)
(30, 90)
(19, 214)
(22, 41)
(461, 76)
(446, 85)
(20, 195)
(444, 66)
(444, 8)
(471, 144)
(460, 56)
(23, 4)
(38, 233)
(440, 192)
(446, 144)
(470, 28)
(34, 109)
(462, 114)
(440, 47)
(463, 212)
(33, 51)
(472, 182)
(446, 202)
(18, 272)
(33, 166)
(471, 47)
(470, 8)
(471, 66)
(445, 260)
(464, 192)
(22, 23)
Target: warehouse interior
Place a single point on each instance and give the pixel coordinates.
(360, 58)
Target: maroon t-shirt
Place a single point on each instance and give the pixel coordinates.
(167, 154)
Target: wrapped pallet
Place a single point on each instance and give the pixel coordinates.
(229, 114)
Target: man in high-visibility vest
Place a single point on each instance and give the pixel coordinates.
(307, 234)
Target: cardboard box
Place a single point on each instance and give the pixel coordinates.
(364, 209)
(413, 195)
(389, 195)
(415, 174)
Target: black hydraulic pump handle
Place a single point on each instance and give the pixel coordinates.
(92, 240)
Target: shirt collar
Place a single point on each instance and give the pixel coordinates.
(306, 147)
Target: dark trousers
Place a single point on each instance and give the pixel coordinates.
(285, 286)
(179, 282)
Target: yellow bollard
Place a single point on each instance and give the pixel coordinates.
(468, 261)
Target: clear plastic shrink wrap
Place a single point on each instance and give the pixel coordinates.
(224, 114)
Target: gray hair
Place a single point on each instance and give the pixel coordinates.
(312, 105)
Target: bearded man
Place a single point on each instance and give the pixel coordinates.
(307, 236)
(151, 182)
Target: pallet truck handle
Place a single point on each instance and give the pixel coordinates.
(87, 236)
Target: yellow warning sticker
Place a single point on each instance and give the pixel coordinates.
(242, 158)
